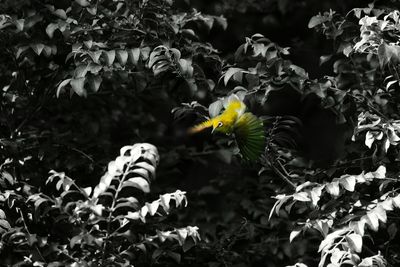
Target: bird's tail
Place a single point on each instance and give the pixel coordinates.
(250, 136)
(200, 127)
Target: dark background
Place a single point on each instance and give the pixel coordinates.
(283, 21)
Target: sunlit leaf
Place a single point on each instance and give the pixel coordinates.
(78, 86)
(355, 242)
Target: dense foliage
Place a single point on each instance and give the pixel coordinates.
(81, 79)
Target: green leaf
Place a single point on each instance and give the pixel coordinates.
(160, 67)
(380, 213)
(186, 67)
(37, 48)
(60, 13)
(81, 71)
(83, 3)
(139, 183)
(19, 24)
(47, 51)
(333, 188)
(188, 245)
(372, 220)
(355, 242)
(157, 253)
(51, 28)
(175, 256)
(147, 168)
(95, 55)
(358, 226)
(323, 226)
(347, 50)
(324, 59)
(294, 234)
(317, 20)
(7, 176)
(92, 10)
(94, 68)
(61, 86)
(145, 52)
(133, 55)
(75, 240)
(32, 20)
(109, 57)
(153, 207)
(122, 57)
(315, 195)
(88, 43)
(388, 53)
(380, 173)
(301, 196)
(157, 59)
(95, 83)
(222, 22)
(348, 182)
(231, 72)
(396, 201)
(21, 50)
(77, 85)
(4, 224)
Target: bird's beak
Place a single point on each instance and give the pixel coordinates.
(213, 129)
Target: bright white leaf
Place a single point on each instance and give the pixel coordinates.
(333, 188)
(139, 183)
(348, 182)
(165, 199)
(153, 207)
(380, 213)
(396, 201)
(315, 194)
(61, 86)
(294, 234)
(358, 226)
(380, 173)
(372, 221)
(369, 139)
(109, 57)
(355, 242)
(122, 57)
(229, 73)
(301, 196)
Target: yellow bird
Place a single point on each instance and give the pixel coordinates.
(247, 129)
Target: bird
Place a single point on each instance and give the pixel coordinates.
(246, 128)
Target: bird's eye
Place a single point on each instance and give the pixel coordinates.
(220, 124)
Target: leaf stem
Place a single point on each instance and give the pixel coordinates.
(112, 209)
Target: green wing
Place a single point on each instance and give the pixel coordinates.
(250, 136)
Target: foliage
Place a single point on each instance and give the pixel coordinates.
(117, 53)
(93, 226)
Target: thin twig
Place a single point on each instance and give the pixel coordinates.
(282, 176)
(27, 230)
(108, 234)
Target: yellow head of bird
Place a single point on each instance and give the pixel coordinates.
(222, 124)
(217, 126)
